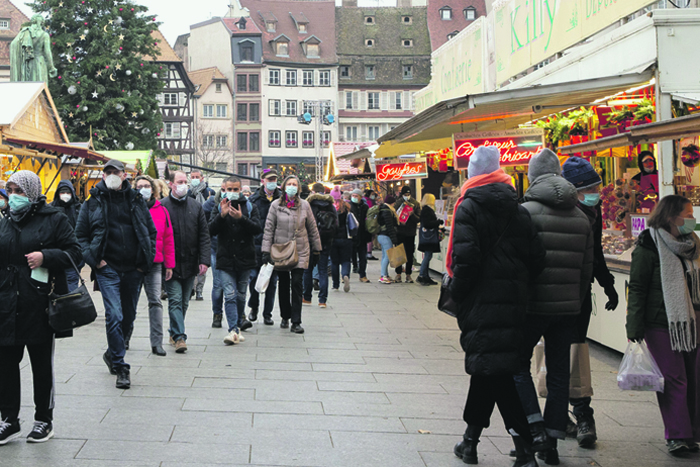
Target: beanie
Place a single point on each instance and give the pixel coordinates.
(486, 159)
(405, 189)
(542, 163)
(580, 173)
(357, 192)
(389, 199)
(336, 194)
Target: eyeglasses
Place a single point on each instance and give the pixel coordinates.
(16, 191)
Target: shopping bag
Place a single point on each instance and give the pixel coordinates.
(539, 369)
(445, 302)
(397, 256)
(638, 370)
(580, 384)
(264, 277)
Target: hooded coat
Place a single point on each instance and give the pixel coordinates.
(491, 277)
(72, 208)
(279, 228)
(567, 237)
(165, 243)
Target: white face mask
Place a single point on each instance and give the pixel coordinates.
(180, 190)
(65, 197)
(146, 193)
(113, 182)
(195, 182)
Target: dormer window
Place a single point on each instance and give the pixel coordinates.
(311, 46)
(452, 34)
(369, 19)
(241, 24)
(446, 13)
(282, 49)
(280, 44)
(407, 20)
(407, 42)
(369, 42)
(246, 50)
(271, 26)
(312, 50)
(301, 22)
(4, 23)
(470, 13)
(302, 28)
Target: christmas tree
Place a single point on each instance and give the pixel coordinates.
(106, 81)
(152, 168)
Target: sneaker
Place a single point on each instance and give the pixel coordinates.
(586, 436)
(305, 301)
(9, 431)
(571, 429)
(216, 322)
(677, 446)
(429, 281)
(322, 305)
(364, 279)
(693, 446)
(284, 324)
(180, 346)
(372, 258)
(385, 280)
(41, 432)
(199, 297)
(420, 280)
(397, 278)
(346, 284)
(409, 279)
(123, 379)
(231, 338)
(240, 337)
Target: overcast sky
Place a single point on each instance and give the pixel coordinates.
(178, 15)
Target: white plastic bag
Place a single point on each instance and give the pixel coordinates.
(638, 370)
(264, 277)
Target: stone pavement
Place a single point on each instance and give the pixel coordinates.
(377, 380)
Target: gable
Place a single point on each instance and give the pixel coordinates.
(38, 122)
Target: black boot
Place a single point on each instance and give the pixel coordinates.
(540, 439)
(524, 455)
(466, 449)
(586, 434)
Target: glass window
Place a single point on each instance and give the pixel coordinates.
(172, 130)
(348, 100)
(221, 141)
(308, 107)
(369, 42)
(369, 19)
(308, 77)
(291, 108)
(253, 83)
(274, 139)
(218, 87)
(302, 28)
(350, 133)
(275, 77)
(242, 112)
(242, 169)
(397, 100)
(242, 141)
(170, 99)
(241, 83)
(291, 139)
(207, 110)
(4, 24)
(408, 72)
(324, 78)
(312, 50)
(470, 13)
(406, 20)
(307, 139)
(291, 78)
(254, 141)
(254, 112)
(221, 111)
(282, 48)
(369, 71)
(345, 71)
(275, 107)
(246, 52)
(221, 166)
(326, 139)
(373, 132)
(407, 42)
(373, 100)
(208, 141)
(446, 13)
(271, 26)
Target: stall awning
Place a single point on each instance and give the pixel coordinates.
(692, 98)
(433, 128)
(58, 148)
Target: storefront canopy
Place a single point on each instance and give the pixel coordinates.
(433, 128)
(57, 148)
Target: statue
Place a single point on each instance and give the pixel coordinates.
(30, 53)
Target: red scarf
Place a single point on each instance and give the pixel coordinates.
(499, 176)
(289, 200)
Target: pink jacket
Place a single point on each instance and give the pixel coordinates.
(165, 242)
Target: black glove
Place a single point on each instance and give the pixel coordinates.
(266, 258)
(313, 261)
(442, 221)
(613, 299)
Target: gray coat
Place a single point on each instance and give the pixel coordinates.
(567, 236)
(279, 228)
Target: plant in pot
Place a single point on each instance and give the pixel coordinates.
(555, 130)
(620, 117)
(645, 111)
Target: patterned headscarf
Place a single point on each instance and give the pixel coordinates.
(29, 182)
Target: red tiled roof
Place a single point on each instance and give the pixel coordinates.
(340, 149)
(439, 29)
(250, 26)
(321, 17)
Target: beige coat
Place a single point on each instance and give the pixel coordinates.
(279, 228)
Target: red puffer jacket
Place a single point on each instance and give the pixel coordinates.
(165, 242)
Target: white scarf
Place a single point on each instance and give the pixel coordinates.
(680, 283)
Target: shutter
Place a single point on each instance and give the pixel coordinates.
(383, 105)
(363, 133)
(392, 100)
(356, 100)
(363, 100)
(333, 77)
(406, 104)
(316, 74)
(341, 100)
(161, 98)
(182, 99)
(266, 76)
(271, 107)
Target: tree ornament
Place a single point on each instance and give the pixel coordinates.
(72, 90)
(129, 146)
(128, 72)
(145, 131)
(84, 109)
(94, 95)
(154, 75)
(134, 114)
(119, 107)
(70, 114)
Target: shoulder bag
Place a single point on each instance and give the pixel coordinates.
(285, 255)
(70, 311)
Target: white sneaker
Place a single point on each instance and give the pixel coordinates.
(231, 338)
(240, 337)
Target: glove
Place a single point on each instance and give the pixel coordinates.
(442, 221)
(613, 299)
(266, 258)
(314, 259)
(636, 340)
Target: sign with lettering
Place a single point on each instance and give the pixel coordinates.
(516, 146)
(401, 171)
(639, 224)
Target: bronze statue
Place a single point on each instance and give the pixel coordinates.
(30, 53)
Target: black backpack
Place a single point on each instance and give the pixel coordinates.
(325, 221)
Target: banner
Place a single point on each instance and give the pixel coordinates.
(516, 146)
(401, 171)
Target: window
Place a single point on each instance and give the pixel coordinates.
(246, 51)
(302, 28)
(218, 87)
(324, 78)
(446, 13)
(373, 100)
(312, 50)
(348, 100)
(307, 139)
(407, 20)
(221, 166)
(170, 98)
(369, 42)
(208, 141)
(172, 130)
(274, 139)
(308, 77)
(253, 83)
(326, 135)
(408, 72)
(291, 139)
(369, 71)
(326, 107)
(275, 77)
(207, 111)
(397, 100)
(221, 141)
(373, 132)
(4, 24)
(241, 83)
(283, 48)
(344, 71)
(407, 42)
(254, 113)
(242, 112)
(242, 141)
(254, 141)
(308, 107)
(350, 133)
(242, 169)
(369, 19)
(291, 108)
(271, 26)
(221, 111)
(291, 78)
(452, 34)
(470, 13)
(275, 107)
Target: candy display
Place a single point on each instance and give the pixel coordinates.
(615, 245)
(616, 200)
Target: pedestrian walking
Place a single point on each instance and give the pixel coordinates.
(493, 247)
(406, 231)
(217, 291)
(341, 248)
(200, 191)
(192, 254)
(118, 240)
(66, 201)
(663, 310)
(387, 236)
(371, 199)
(290, 218)
(429, 221)
(359, 209)
(37, 244)
(326, 218)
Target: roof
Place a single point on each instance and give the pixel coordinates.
(167, 54)
(9, 11)
(440, 28)
(203, 78)
(320, 24)
(232, 25)
(16, 97)
(345, 166)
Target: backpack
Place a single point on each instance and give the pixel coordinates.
(325, 221)
(372, 221)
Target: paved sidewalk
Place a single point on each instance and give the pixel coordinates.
(377, 380)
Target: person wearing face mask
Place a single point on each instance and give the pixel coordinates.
(245, 190)
(359, 208)
(36, 240)
(371, 199)
(648, 180)
(200, 191)
(290, 218)
(163, 263)
(192, 254)
(327, 225)
(235, 224)
(4, 206)
(67, 202)
(663, 309)
(118, 239)
(406, 232)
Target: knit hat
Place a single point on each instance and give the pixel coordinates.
(485, 160)
(29, 182)
(318, 187)
(542, 163)
(405, 189)
(357, 192)
(389, 199)
(580, 173)
(336, 195)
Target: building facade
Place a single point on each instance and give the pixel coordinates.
(446, 18)
(11, 21)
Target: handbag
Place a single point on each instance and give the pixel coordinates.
(72, 310)
(397, 256)
(428, 236)
(285, 255)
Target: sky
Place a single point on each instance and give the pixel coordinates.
(178, 15)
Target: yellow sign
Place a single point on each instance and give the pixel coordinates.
(527, 32)
(457, 67)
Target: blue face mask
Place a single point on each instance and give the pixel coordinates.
(233, 195)
(590, 199)
(271, 186)
(687, 227)
(291, 190)
(355, 200)
(18, 202)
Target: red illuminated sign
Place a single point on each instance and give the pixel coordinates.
(401, 171)
(516, 147)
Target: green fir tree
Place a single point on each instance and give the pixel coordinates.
(105, 80)
(152, 167)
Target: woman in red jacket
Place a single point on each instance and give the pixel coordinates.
(165, 256)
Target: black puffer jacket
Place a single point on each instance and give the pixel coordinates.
(360, 211)
(388, 222)
(236, 237)
(491, 277)
(568, 238)
(24, 301)
(191, 232)
(322, 202)
(428, 220)
(601, 273)
(72, 208)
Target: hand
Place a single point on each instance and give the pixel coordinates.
(168, 274)
(225, 207)
(35, 260)
(102, 264)
(266, 258)
(314, 259)
(442, 221)
(53, 72)
(613, 299)
(203, 269)
(235, 212)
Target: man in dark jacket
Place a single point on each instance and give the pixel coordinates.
(262, 199)
(359, 208)
(66, 201)
(406, 232)
(556, 296)
(192, 251)
(200, 191)
(118, 238)
(235, 223)
(327, 224)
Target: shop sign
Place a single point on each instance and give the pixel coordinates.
(516, 146)
(527, 32)
(401, 171)
(639, 225)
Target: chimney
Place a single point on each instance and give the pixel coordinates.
(349, 3)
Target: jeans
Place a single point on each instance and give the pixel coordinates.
(235, 284)
(409, 244)
(179, 291)
(341, 252)
(425, 264)
(322, 278)
(386, 244)
(199, 283)
(557, 332)
(217, 290)
(358, 249)
(290, 292)
(152, 283)
(254, 301)
(120, 295)
(72, 278)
